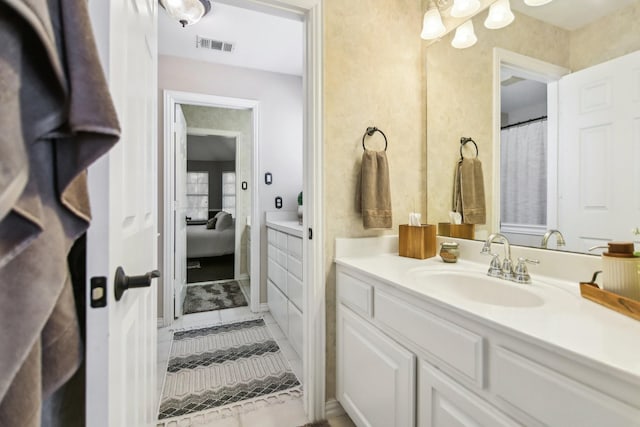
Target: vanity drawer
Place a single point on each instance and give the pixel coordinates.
(355, 294)
(272, 252)
(294, 245)
(282, 241)
(294, 290)
(454, 347)
(552, 398)
(277, 275)
(272, 236)
(281, 258)
(294, 266)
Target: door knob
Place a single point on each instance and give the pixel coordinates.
(123, 282)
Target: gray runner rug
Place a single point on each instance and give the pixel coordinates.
(221, 365)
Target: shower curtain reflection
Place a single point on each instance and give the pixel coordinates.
(523, 177)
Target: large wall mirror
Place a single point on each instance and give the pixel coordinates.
(553, 103)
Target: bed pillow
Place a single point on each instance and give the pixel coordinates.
(224, 221)
(211, 224)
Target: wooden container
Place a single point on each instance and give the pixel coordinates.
(623, 305)
(463, 231)
(417, 241)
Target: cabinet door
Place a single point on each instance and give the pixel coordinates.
(444, 403)
(376, 376)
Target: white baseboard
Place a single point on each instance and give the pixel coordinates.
(263, 307)
(332, 409)
(160, 322)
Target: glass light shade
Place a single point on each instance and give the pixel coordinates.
(465, 36)
(536, 2)
(464, 8)
(500, 15)
(432, 26)
(186, 12)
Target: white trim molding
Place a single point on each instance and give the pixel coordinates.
(333, 409)
(171, 98)
(533, 69)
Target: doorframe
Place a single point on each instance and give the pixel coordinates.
(314, 316)
(238, 167)
(545, 72)
(171, 98)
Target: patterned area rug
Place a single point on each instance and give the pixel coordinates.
(214, 296)
(221, 365)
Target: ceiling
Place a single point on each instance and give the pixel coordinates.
(271, 40)
(571, 14)
(261, 41)
(212, 148)
(522, 94)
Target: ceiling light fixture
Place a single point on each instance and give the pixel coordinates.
(464, 8)
(432, 26)
(186, 12)
(500, 15)
(465, 36)
(536, 2)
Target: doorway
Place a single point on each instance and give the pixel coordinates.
(525, 146)
(242, 133)
(313, 323)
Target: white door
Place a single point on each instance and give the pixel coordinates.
(121, 337)
(180, 211)
(599, 155)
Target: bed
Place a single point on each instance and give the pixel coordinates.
(209, 242)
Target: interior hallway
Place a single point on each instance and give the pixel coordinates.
(266, 412)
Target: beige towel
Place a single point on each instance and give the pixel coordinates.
(375, 192)
(468, 193)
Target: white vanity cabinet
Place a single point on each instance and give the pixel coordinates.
(376, 375)
(284, 278)
(404, 359)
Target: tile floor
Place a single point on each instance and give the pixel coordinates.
(290, 413)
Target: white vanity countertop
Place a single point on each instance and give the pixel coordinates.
(285, 221)
(289, 227)
(565, 323)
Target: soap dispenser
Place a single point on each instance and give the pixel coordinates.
(621, 270)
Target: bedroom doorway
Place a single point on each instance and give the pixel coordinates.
(210, 180)
(212, 252)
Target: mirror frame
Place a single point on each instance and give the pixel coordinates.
(533, 69)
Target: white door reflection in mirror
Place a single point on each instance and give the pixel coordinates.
(599, 158)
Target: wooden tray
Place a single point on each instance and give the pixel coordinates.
(623, 305)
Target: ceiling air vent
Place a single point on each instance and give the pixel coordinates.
(221, 46)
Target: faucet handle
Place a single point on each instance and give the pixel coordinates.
(495, 269)
(521, 274)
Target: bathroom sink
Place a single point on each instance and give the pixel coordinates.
(478, 287)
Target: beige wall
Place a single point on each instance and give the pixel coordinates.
(459, 86)
(373, 76)
(608, 38)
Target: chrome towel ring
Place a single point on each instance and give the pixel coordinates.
(370, 131)
(463, 142)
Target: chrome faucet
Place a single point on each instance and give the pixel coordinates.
(504, 271)
(559, 240)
